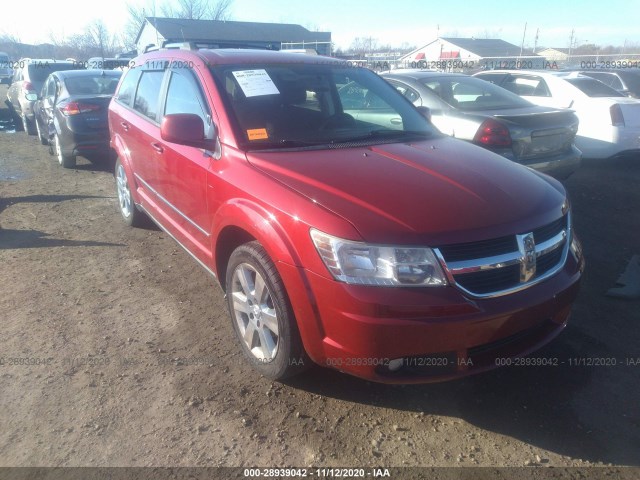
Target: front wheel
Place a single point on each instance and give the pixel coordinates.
(261, 314)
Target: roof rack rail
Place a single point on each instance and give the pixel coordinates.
(199, 45)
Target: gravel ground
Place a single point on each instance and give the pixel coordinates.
(117, 350)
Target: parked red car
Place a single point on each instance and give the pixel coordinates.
(372, 244)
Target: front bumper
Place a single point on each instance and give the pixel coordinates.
(438, 334)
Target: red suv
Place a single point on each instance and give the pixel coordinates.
(362, 239)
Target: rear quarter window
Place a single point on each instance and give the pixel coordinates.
(148, 93)
(593, 88)
(128, 87)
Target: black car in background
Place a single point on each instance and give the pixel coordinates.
(626, 81)
(71, 113)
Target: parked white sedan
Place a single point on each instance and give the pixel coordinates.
(609, 121)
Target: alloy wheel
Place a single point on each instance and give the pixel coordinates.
(255, 313)
(124, 193)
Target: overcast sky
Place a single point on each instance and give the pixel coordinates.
(416, 22)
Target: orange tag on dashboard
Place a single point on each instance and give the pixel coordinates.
(257, 134)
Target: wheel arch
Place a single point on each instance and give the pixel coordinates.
(240, 221)
(121, 153)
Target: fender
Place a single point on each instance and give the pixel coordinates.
(257, 222)
(260, 224)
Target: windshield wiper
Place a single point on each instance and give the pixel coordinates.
(385, 133)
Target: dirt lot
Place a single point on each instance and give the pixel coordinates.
(131, 361)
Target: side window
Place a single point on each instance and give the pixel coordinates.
(407, 92)
(51, 88)
(148, 93)
(183, 96)
(527, 85)
(128, 87)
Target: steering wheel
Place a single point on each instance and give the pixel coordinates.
(338, 120)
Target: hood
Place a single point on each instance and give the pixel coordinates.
(431, 192)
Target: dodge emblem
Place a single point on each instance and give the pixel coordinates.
(527, 248)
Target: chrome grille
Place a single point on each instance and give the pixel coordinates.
(490, 268)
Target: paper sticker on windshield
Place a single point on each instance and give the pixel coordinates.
(257, 134)
(255, 82)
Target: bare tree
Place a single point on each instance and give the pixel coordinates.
(11, 45)
(221, 10)
(198, 9)
(137, 15)
(363, 45)
(97, 37)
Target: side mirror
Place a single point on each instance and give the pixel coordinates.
(185, 129)
(425, 112)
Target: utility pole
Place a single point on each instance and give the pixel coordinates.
(571, 41)
(535, 43)
(524, 34)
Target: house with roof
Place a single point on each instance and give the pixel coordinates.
(156, 31)
(555, 54)
(469, 53)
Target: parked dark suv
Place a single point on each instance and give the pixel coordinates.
(386, 250)
(28, 77)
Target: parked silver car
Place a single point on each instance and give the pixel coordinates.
(492, 117)
(27, 81)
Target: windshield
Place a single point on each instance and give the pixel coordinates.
(299, 105)
(92, 84)
(593, 88)
(472, 94)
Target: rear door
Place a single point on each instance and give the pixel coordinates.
(139, 127)
(182, 170)
(46, 104)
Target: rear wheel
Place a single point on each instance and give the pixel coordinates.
(261, 314)
(67, 161)
(130, 213)
(28, 126)
(43, 140)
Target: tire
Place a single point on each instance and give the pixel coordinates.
(43, 140)
(28, 125)
(67, 161)
(262, 317)
(130, 213)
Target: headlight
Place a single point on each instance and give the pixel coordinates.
(382, 265)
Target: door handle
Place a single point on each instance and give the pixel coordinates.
(125, 125)
(157, 147)
(396, 121)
